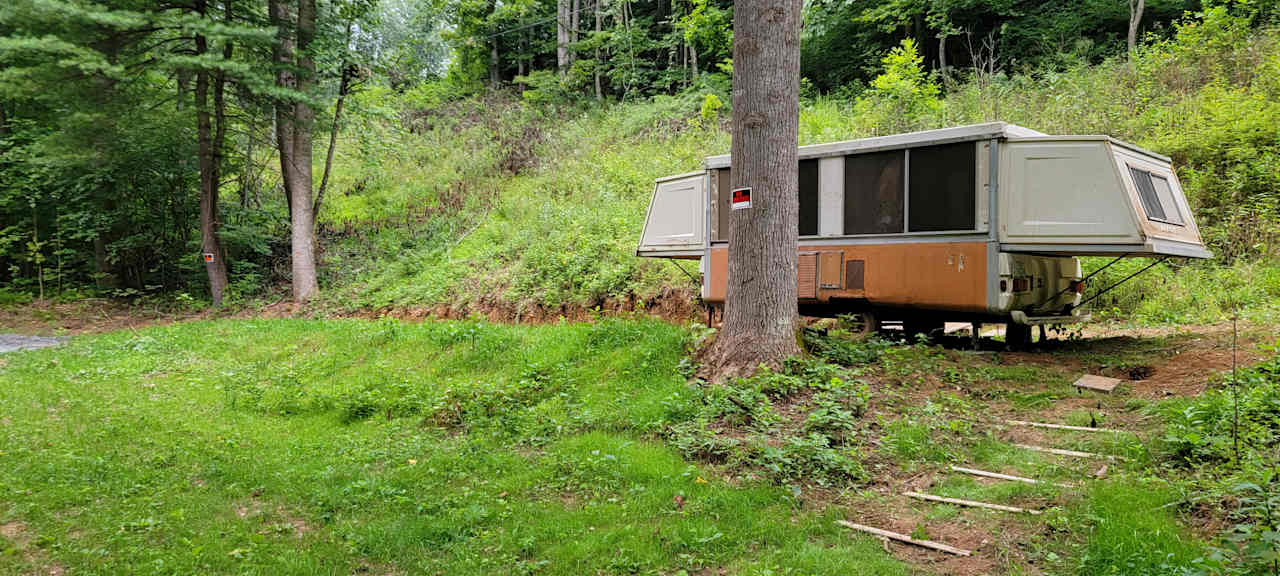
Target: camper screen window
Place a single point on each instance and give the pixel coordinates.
(873, 193)
(1156, 196)
(808, 197)
(943, 187)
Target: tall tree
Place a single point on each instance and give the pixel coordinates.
(210, 158)
(760, 308)
(302, 219)
(296, 72)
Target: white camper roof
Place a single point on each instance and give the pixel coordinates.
(910, 139)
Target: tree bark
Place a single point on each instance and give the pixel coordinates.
(302, 220)
(942, 55)
(574, 13)
(760, 308)
(210, 248)
(282, 53)
(1135, 18)
(562, 36)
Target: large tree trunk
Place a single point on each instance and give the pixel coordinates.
(302, 220)
(562, 36)
(1135, 18)
(760, 308)
(210, 247)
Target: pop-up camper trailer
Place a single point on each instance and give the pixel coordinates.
(908, 228)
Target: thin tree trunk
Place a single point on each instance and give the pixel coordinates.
(520, 64)
(282, 53)
(495, 79)
(1135, 18)
(562, 37)
(693, 57)
(344, 85)
(942, 55)
(599, 63)
(210, 247)
(573, 24)
(302, 220)
(760, 307)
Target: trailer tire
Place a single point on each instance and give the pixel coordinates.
(861, 323)
(912, 329)
(1017, 336)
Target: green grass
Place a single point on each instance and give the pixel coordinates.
(340, 446)
(296, 446)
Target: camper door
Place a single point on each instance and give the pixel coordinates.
(675, 226)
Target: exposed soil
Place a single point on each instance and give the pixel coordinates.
(16, 535)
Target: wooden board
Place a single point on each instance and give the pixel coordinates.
(904, 538)
(971, 503)
(999, 476)
(1095, 382)
(1059, 426)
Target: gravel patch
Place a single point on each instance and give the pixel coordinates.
(12, 342)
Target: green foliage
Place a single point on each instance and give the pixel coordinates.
(902, 97)
(737, 424)
(1130, 530)
(509, 449)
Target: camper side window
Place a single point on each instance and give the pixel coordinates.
(943, 188)
(1157, 197)
(809, 197)
(808, 215)
(873, 193)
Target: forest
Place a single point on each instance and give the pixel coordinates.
(155, 150)
(352, 287)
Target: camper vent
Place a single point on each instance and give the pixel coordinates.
(854, 274)
(830, 270)
(808, 273)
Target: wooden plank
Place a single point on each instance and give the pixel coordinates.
(970, 503)
(999, 476)
(1059, 426)
(1075, 453)
(904, 538)
(1095, 382)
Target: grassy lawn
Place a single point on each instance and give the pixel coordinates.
(297, 446)
(381, 447)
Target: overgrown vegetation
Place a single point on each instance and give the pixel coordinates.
(529, 203)
(580, 202)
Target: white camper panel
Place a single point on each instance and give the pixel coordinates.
(675, 226)
(1084, 195)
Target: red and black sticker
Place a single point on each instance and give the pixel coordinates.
(741, 198)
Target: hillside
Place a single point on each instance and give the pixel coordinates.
(496, 206)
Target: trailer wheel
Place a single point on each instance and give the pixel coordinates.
(863, 323)
(911, 329)
(1017, 335)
